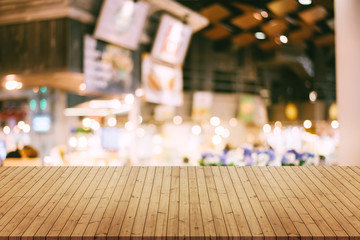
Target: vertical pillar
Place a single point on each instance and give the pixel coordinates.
(134, 118)
(61, 129)
(347, 45)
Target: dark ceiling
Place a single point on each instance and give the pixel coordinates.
(291, 70)
(240, 20)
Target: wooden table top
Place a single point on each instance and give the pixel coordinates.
(179, 202)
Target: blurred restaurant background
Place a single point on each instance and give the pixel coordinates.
(186, 82)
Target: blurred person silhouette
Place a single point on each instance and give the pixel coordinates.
(26, 152)
(14, 154)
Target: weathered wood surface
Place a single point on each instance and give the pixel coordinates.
(44, 53)
(22, 11)
(179, 202)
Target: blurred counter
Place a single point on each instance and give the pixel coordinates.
(22, 162)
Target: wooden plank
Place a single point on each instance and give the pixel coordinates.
(108, 216)
(256, 205)
(321, 203)
(35, 10)
(14, 207)
(229, 217)
(39, 220)
(64, 227)
(50, 219)
(206, 213)
(173, 218)
(61, 46)
(354, 173)
(236, 207)
(196, 221)
(11, 186)
(276, 195)
(267, 207)
(92, 205)
(341, 184)
(308, 204)
(251, 220)
(125, 231)
(338, 210)
(46, 49)
(348, 198)
(163, 212)
(351, 177)
(61, 185)
(339, 199)
(57, 219)
(296, 204)
(255, 228)
(32, 47)
(184, 207)
(10, 177)
(5, 172)
(355, 169)
(106, 198)
(139, 221)
(275, 210)
(219, 218)
(112, 203)
(67, 228)
(120, 212)
(150, 223)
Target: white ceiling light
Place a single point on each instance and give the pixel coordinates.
(313, 96)
(264, 14)
(307, 124)
(283, 39)
(260, 35)
(305, 2)
(12, 85)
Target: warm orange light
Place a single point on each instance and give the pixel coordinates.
(257, 16)
(333, 111)
(291, 111)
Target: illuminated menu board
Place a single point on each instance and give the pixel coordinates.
(171, 41)
(162, 83)
(107, 68)
(121, 22)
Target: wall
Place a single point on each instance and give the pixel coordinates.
(42, 46)
(306, 110)
(34, 47)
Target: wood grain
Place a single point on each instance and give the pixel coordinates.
(89, 203)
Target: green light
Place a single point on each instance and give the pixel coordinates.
(43, 89)
(32, 104)
(43, 104)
